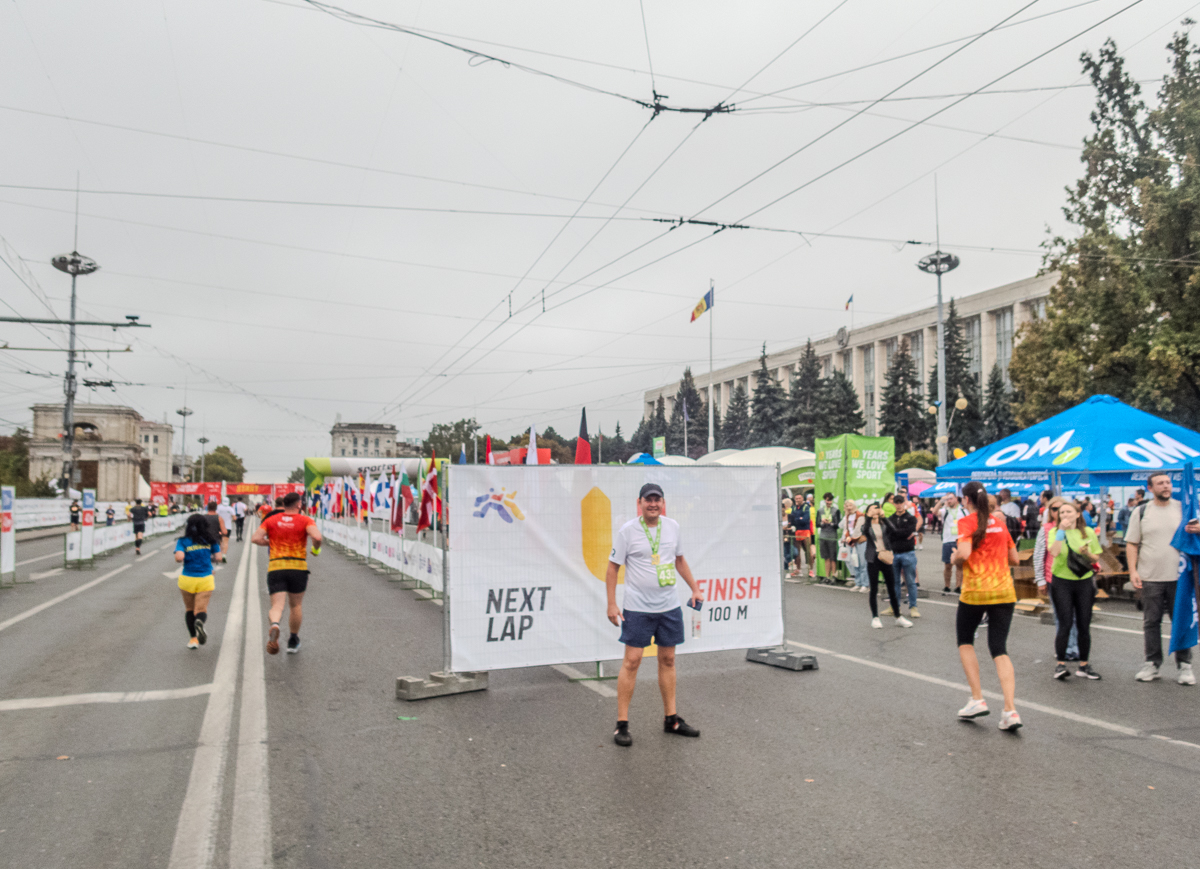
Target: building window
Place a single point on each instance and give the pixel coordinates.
(889, 350)
(156, 451)
(1004, 339)
(377, 444)
(868, 352)
(356, 443)
(973, 339)
(826, 366)
(1037, 309)
(848, 364)
(916, 347)
(343, 451)
(156, 440)
(356, 452)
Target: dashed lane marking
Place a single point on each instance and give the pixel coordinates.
(20, 617)
(39, 558)
(992, 695)
(571, 673)
(104, 697)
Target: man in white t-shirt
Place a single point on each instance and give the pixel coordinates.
(239, 518)
(950, 513)
(651, 550)
(225, 511)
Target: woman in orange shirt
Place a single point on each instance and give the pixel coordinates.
(986, 552)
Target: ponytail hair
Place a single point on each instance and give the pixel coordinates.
(977, 495)
(197, 530)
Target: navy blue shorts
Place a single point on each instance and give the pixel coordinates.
(666, 628)
(947, 551)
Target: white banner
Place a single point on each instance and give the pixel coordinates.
(8, 533)
(530, 546)
(108, 538)
(414, 559)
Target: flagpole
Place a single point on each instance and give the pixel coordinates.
(712, 439)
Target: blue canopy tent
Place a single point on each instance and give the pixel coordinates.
(1101, 441)
(643, 459)
(1185, 619)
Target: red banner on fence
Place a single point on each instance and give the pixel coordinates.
(212, 491)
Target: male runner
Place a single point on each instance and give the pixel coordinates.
(138, 514)
(239, 518)
(226, 512)
(650, 549)
(286, 534)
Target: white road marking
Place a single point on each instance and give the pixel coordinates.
(46, 574)
(146, 555)
(104, 697)
(250, 836)
(8, 623)
(39, 558)
(571, 673)
(992, 695)
(196, 832)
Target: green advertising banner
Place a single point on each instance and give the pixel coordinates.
(854, 467)
(660, 447)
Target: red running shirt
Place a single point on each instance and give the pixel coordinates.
(288, 535)
(987, 578)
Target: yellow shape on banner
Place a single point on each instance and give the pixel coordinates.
(595, 523)
(651, 651)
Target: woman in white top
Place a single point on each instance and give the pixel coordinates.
(950, 512)
(854, 538)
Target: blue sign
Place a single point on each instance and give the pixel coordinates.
(89, 499)
(6, 498)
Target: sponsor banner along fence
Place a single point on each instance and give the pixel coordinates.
(106, 538)
(49, 512)
(530, 547)
(414, 559)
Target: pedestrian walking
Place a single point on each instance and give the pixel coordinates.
(138, 514)
(287, 534)
(879, 558)
(76, 513)
(902, 538)
(110, 516)
(789, 538)
(1073, 549)
(1154, 568)
(651, 550)
(216, 525)
(828, 519)
(801, 527)
(950, 513)
(855, 542)
(239, 518)
(986, 552)
(196, 550)
(226, 512)
(1043, 566)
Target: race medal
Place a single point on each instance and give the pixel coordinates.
(666, 574)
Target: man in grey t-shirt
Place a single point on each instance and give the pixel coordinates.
(1153, 567)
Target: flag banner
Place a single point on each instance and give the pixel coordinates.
(414, 559)
(583, 446)
(488, 458)
(531, 549)
(703, 305)
(849, 301)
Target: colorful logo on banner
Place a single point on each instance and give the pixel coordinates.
(596, 532)
(502, 504)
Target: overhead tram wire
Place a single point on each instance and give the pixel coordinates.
(657, 106)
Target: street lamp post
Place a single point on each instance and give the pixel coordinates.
(74, 264)
(185, 412)
(202, 441)
(939, 263)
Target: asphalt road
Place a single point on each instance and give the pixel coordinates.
(860, 763)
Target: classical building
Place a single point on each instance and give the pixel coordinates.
(989, 319)
(375, 440)
(110, 447)
(155, 438)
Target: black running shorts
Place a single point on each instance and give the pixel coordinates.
(139, 527)
(291, 581)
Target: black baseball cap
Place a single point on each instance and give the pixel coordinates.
(651, 489)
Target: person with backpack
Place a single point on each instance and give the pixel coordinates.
(1074, 549)
(801, 526)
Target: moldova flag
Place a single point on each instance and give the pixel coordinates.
(583, 446)
(703, 305)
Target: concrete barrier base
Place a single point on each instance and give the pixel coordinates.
(439, 685)
(782, 657)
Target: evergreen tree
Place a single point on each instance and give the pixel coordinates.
(658, 422)
(841, 412)
(998, 420)
(966, 428)
(718, 431)
(640, 442)
(804, 401)
(615, 447)
(697, 427)
(900, 411)
(768, 421)
(736, 430)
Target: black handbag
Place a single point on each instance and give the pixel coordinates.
(1078, 563)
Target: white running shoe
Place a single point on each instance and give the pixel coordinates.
(1148, 673)
(903, 622)
(1010, 721)
(974, 709)
(1186, 675)
(876, 623)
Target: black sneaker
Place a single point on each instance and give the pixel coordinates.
(293, 645)
(622, 736)
(679, 727)
(946, 590)
(201, 633)
(1086, 672)
(1061, 672)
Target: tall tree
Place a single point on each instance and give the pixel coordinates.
(14, 467)
(966, 426)
(448, 439)
(901, 415)
(768, 419)
(640, 442)
(658, 422)
(613, 449)
(842, 413)
(1124, 316)
(221, 465)
(697, 427)
(296, 476)
(804, 407)
(998, 419)
(736, 430)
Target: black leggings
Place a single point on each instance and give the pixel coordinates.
(999, 616)
(1073, 600)
(874, 568)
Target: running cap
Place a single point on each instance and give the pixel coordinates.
(651, 489)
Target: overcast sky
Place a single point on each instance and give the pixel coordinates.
(416, 188)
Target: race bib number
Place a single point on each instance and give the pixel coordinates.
(666, 574)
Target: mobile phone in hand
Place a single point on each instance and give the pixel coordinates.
(696, 604)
